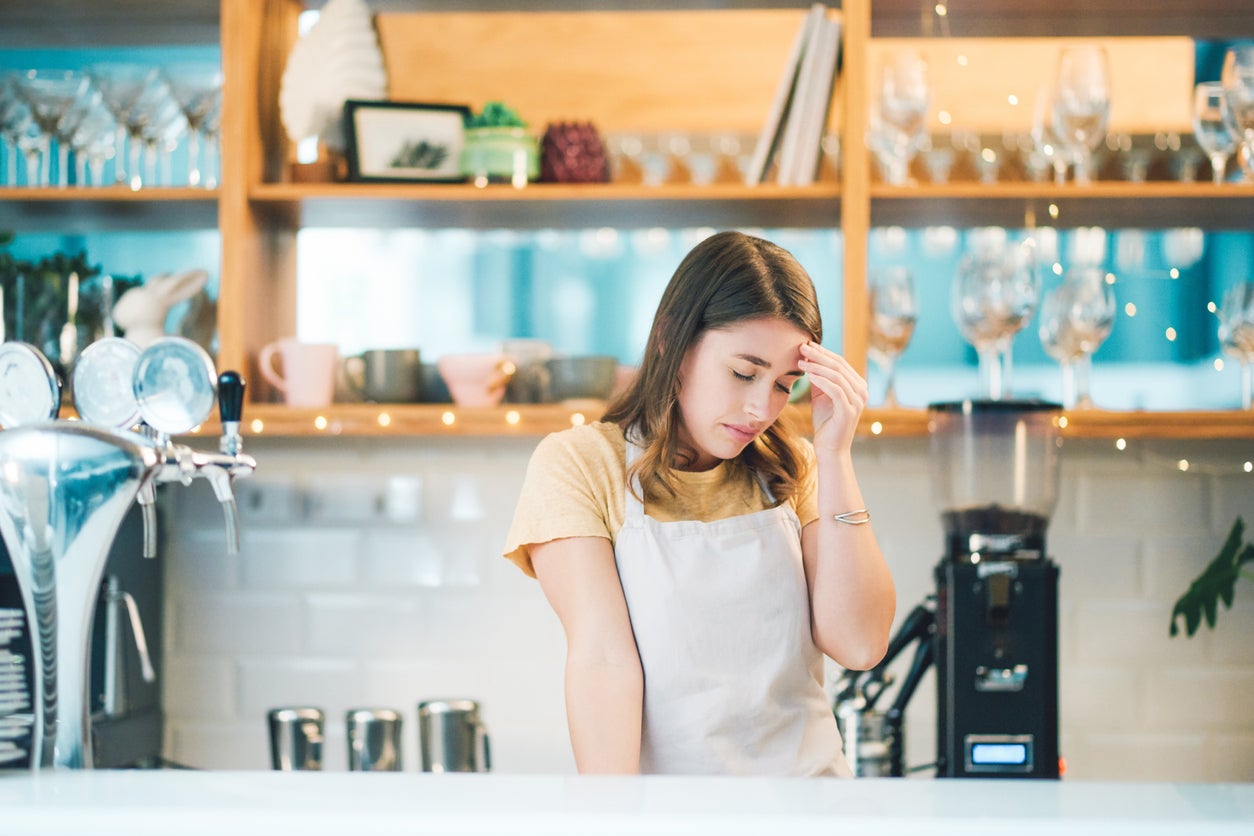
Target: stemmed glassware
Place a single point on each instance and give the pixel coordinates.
(16, 126)
(1236, 334)
(1081, 104)
(899, 114)
(198, 90)
(995, 295)
(51, 95)
(133, 92)
(894, 310)
(1237, 80)
(1076, 318)
(94, 144)
(1210, 128)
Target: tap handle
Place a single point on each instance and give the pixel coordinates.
(230, 397)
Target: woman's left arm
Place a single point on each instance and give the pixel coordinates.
(852, 598)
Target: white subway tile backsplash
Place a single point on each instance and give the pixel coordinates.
(235, 623)
(401, 557)
(1142, 755)
(201, 689)
(299, 557)
(333, 603)
(1193, 698)
(266, 682)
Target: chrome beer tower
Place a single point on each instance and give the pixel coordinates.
(65, 487)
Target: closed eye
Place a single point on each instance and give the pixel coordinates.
(747, 378)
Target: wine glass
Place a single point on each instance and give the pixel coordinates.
(1076, 318)
(15, 126)
(94, 143)
(1210, 129)
(898, 125)
(1237, 80)
(994, 295)
(894, 310)
(1081, 104)
(1236, 333)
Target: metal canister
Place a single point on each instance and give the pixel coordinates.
(374, 740)
(452, 738)
(296, 735)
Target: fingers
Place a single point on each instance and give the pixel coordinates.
(831, 374)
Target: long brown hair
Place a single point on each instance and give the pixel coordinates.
(729, 277)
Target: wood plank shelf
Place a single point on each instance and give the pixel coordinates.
(276, 420)
(543, 205)
(107, 209)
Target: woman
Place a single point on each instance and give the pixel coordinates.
(699, 555)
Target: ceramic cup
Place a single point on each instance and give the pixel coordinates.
(386, 375)
(308, 370)
(477, 379)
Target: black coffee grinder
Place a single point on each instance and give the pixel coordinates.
(995, 477)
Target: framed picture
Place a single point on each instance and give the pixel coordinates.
(404, 142)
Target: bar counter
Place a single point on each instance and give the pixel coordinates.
(137, 803)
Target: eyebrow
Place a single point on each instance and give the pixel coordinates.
(758, 361)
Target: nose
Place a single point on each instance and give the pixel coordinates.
(758, 402)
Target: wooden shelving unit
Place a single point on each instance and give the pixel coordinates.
(258, 209)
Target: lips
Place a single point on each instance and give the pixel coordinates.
(742, 435)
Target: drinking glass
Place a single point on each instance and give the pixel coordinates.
(1210, 129)
(15, 126)
(1081, 104)
(94, 143)
(899, 120)
(1237, 80)
(51, 94)
(995, 294)
(198, 90)
(894, 310)
(132, 92)
(1076, 318)
(1236, 334)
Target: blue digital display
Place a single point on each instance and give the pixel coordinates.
(1000, 754)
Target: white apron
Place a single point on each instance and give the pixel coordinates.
(721, 615)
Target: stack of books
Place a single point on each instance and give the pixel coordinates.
(790, 143)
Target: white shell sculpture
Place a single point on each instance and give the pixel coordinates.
(336, 60)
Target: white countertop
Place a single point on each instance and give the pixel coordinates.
(106, 802)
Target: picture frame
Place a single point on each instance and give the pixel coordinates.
(404, 142)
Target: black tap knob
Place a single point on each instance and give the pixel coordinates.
(230, 397)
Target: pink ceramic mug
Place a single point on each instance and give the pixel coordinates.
(308, 370)
(477, 379)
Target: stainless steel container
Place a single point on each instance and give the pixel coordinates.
(374, 740)
(452, 738)
(296, 736)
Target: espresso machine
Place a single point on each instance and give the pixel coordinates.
(991, 629)
(67, 491)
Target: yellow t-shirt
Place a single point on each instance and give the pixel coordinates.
(576, 486)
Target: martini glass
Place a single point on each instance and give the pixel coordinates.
(132, 92)
(1076, 318)
(52, 95)
(16, 126)
(198, 90)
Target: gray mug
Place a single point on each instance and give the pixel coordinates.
(452, 738)
(296, 736)
(374, 740)
(386, 375)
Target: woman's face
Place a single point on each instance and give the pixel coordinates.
(733, 383)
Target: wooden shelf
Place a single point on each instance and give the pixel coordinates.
(107, 209)
(543, 205)
(1150, 205)
(526, 420)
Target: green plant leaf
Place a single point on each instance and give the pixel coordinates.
(1216, 583)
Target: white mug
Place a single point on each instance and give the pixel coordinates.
(309, 370)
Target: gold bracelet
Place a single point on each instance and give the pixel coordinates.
(860, 517)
